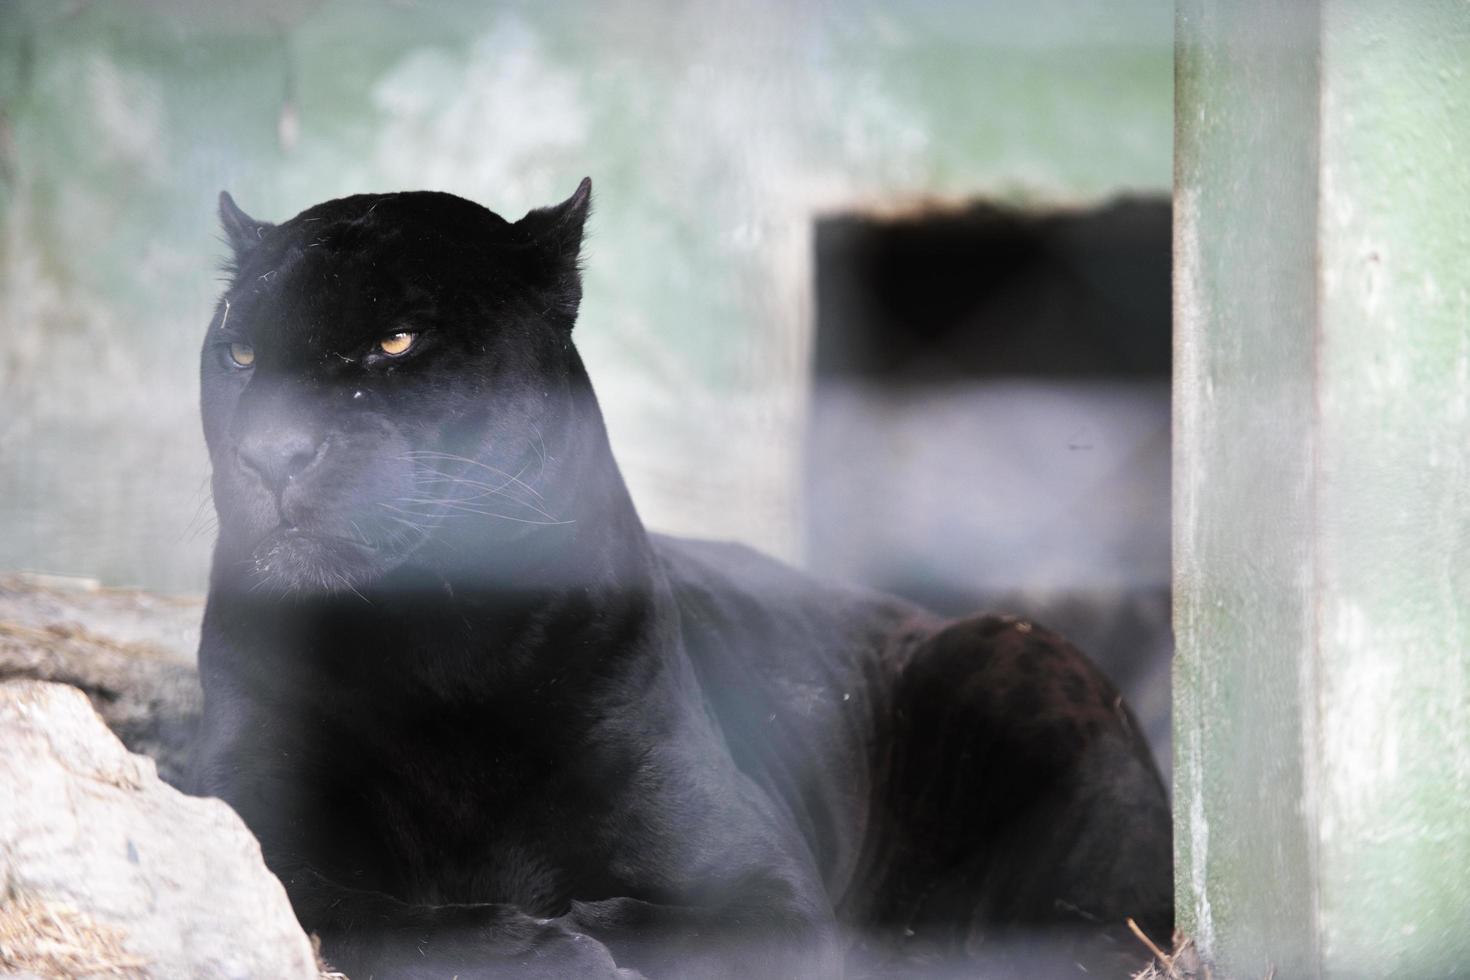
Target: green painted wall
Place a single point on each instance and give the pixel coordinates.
(1322, 508)
(1394, 431)
(714, 132)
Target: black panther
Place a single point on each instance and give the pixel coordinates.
(483, 723)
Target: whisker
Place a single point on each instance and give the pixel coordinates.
(502, 488)
(420, 528)
(474, 510)
(456, 501)
(454, 458)
(540, 447)
(466, 505)
(486, 489)
(199, 512)
(362, 537)
(347, 584)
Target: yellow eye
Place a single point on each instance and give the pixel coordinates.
(242, 354)
(398, 343)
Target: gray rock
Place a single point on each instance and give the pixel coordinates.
(107, 871)
(130, 652)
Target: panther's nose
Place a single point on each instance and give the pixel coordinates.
(280, 453)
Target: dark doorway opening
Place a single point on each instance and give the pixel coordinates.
(990, 421)
(992, 292)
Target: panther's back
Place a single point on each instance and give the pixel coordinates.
(973, 790)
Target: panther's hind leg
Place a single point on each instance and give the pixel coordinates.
(1027, 818)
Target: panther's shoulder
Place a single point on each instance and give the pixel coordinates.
(738, 578)
(747, 618)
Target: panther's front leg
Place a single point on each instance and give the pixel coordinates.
(370, 934)
(749, 937)
(713, 879)
(755, 934)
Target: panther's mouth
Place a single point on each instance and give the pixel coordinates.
(296, 560)
(293, 533)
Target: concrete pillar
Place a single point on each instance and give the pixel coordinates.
(1322, 486)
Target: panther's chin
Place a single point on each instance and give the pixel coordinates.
(295, 562)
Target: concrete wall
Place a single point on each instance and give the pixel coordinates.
(714, 133)
(1322, 510)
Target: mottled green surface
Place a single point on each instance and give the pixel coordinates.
(1323, 487)
(714, 132)
(1394, 435)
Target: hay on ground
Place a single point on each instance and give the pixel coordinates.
(54, 941)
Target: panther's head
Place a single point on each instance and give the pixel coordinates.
(381, 368)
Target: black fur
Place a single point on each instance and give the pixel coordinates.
(484, 724)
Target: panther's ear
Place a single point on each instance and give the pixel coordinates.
(242, 231)
(558, 228)
(555, 236)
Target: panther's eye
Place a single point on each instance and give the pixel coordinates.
(398, 343)
(242, 354)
